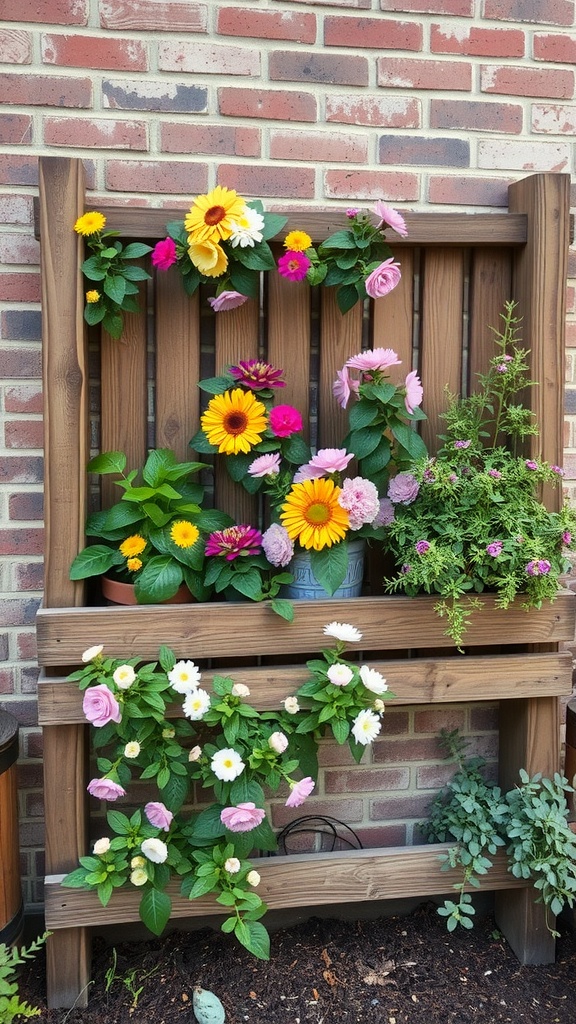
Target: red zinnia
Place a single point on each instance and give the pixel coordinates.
(256, 374)
(234, 541)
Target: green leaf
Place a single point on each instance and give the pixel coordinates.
(115, 288)
(75, 879)
(93, 561)
(118, 822)
(363, 442)
(107, 462)
(341, 730)
(254, 937)
(159, 580)
(94, 313)
(339, 240)
(258, 257)
(282, 607)
(208, 824)
(202, 885)
(273, 224)
(410, 440)
(216, 385)
(155, 910)
(362, 413)
(330, 566)
(136, 249)
(243, 279)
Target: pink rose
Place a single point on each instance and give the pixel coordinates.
(299, 791)
(105, 789)
(158, 815)
(227, 300)
(100, 706)
(284, 420)
(164, 254)
(242, 818)
(403, 488)
(383, 279)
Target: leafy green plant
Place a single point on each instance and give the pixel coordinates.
(529, 821)
(11, 1006)
(133, 980)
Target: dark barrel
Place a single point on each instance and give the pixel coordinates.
(11, 908)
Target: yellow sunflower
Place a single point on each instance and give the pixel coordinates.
(312, 515)
(234, 422)
(297, 241)
(90, 223)
(184, 534)
(208, 257)
(133, 546)
(210, 217)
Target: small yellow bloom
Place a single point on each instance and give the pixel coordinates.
(184, 534)
(134, 564)
(208, 258)
(297, 241)
(90, 223)
(133, 545)
(92, 296)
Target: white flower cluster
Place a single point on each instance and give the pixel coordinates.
(184, 678)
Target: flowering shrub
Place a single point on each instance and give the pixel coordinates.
(470, 519)
(110, 269)
(222, 744)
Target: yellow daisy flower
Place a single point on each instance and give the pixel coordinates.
(312, 515)
(184, 534)
(208, 257)
(134, 564)
(297, 241)
(90, 223)
(234, 422)
(133, 545)
(211, 216)
(92, 296)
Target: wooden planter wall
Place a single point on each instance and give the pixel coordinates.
(457, 272)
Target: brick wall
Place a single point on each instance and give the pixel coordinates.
(430, 104)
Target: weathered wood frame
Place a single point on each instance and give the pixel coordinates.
(520, 254)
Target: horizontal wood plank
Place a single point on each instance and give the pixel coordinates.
(414, 681)
(296, 880)
(245, 629)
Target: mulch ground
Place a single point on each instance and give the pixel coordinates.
(399, 970)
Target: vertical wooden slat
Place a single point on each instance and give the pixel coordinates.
(289, 333)
(393, 318)
(340, 338)
(441, 359)
(490, 288)
(177, 397)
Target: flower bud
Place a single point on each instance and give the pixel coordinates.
(138, 877)
(278, 742)
(101, 846)
(195, 754)
(232, 865)
(240, 690)
(253, 878)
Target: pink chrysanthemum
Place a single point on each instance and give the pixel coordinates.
(265, 465)
(234, 542)
(256, 374)
(360, 499)
(277, 545)
(164, 254)
(388, 215)
(414, 392)
(284, 420)
(294, 265)
(227, 300)
(327, 460)
(374, 359)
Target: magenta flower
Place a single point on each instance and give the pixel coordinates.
(105, 789)
(265, 465)
(539, 567)
(277, 545)
(388, 215)
(386, 514)
(100, 706)
(360, 499)
(405, 568)
(403, 489)
(294, 265)
(164, 254)
(462, 444)
(530, 464)
(327, 460)
(374, 359)
(495, 474)
(256, 374)
(352, 212)
(414, 391)
(558, 470)
(494, 548)
(158, 815)
(428, 476)
(243, 817)
(422, 546)
(383, 280)
(502, 368)
(299, 791)
(566, 537)
(234, 542)
(227, 300)
(284, 420)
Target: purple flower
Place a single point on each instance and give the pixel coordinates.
(530, 464)
(256, 374)
(352, 212)
(164, 254)
(386, 514)
(502, 368)
(494, 473)
(405, 568)
(494, 548)
(539, 567)
(453, 478)
(462, 444)
(428, 476)
(234, 542)
(105, 789)
(227, 300)
(242, 818)
(277, 545)
(383, 280)
(299, 791)
(403, 489)
(100, 706)
(558, 470)
(158, 815)
(566, 537)
(422, 546)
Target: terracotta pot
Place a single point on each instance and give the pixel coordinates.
(116, 592)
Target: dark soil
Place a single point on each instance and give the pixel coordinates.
(399, 970)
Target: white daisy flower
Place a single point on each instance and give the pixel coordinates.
(340, 675)
(343, 631)
(196, 704)
(124, 676)
(227, 764)
(232, 865)
(184, 677)
(373, 680)
(247, 230)
(366, 727)
(253, 878)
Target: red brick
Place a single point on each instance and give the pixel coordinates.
(364, 780)
(154, 96)
(109, 53)
(26, 505)
(458, 191)
(554, 118)
(378, 33)
(329, 69)
(48, 12)
(398, 149)
(26, 646)
(395, 722)
(208, 59)
(23, 434)
(434, 776)
(153, 16)
(392, 751)
(391, 807)
(23, 398)
(45, 90)
(16, 129)
(377, 111)
(400, 73)
(526, 155)
(352, 184)
(18, 170)
(4, 646)
(545, 12)
(516, 81)
(272, 104)
(33, 744)
(483, 718)
(386, 835)
(156, 176)
(7, 680)
(223, 140)
(556, 48)
(17, 248)
(249, 180)
(356, 4)
(477, 42)
(431, 720)
(244, 21)
(29, 576)
(21, 611)
(22, 362)
(19, 469)
(463, 8)
(326, 147)
(478, 116)
(16, 209)
(15, 46)
(95, 132)
(349, 811)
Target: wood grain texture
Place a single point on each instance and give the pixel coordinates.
(177, 396)
(340, 338)
(442, 287)
(394, 318)
(490, 288)
(68, 967)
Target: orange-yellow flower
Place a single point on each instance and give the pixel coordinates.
(311, 514)
(234, 422)
(184, 534)
(133, 545)
(92, 295)
(209, 258)
(134, 564)
(211, 216)
(90, 223)
(297, 241)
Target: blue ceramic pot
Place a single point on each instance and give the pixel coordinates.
(305, 586)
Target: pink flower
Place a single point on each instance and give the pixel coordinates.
(494, 473)
(390, 217)
(374, 359)
(327, 460)
(233, 542)
(105, 789)
(558, 470)
(530, 464)
(414, 392)
(538, 568)
(277, 545)
(422, 546)
(158, 815)
(341, 387)
(284, 420)
(100, 706)
(383, 280)
(567, 537)
(494, 548)
(227, 300)
(294, 265)
(242, 818)
(360, 498)
(352, 212)
(386, 514)
(299, 791)
(265, 465)
(403, 488)
(256, 375)
(462, 444)
(164, 254)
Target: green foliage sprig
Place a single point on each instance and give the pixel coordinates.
(11, 1006)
